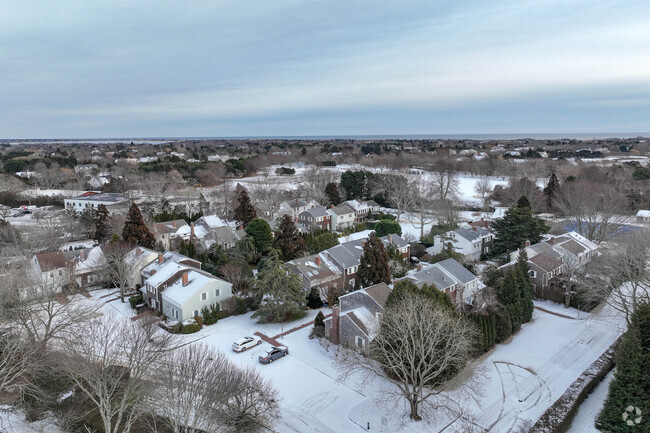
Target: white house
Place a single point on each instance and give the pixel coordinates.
(91, 200)
(343, 216)
(450, 277)
(643, 216)
(137, 259)
(470, 241)
(176, 286)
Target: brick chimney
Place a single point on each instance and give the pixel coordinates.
(334, 332)
(317, 260)
(419, 267)
(185, 278)
(390, 239)
(331, 206)
(192, 230)
(138, 251)
(527, 243)
(174, 223)
(161, 258)
(82, 255)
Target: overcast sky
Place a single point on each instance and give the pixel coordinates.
(270, 67)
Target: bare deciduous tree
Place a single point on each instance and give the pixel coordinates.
(111, 364)
(595, 210)
(185, 393)
(422, 207)
(17, 363)
(237, 274)
(314, 180)
(444, 178)
(417, 345)
(118, 268)
(483, 189)
(265, 190)
(620, 275)
(397, 189)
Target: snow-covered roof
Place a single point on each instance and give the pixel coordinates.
(643, 213)
(94, 258)
(499, 212)
(211, 221)
(166, 271)
(365, 320)
(178, 293)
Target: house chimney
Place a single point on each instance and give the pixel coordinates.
(419, 267)
(331, 206)
(185, 278)
(82, 255)
(390, 239)
(475, 228)
(192, 230)
(318, 261)
(161, 258)
(334, 332)
(174, 223)
(527, 243)
(138, 251)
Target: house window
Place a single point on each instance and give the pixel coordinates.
(204, 296)
(217, 292)
(532, 274)
(196, 313)
(60, 273)
(378, 315)
(176, 314)
(360, 342)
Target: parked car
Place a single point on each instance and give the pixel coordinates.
(274, 353)
(246, 343)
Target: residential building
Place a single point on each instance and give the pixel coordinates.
(51, 268)
(343, 217)
(643, 216)
(470, 241)
(315, 219)
(169, 233)
(355, 321)
(92, 200)
(362, 208)
(137, 259)
(450, 277)
(227, 237)
(295, 207)
(317, 272)
(175, 286)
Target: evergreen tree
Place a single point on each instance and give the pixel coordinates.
(524, 284)
(245, 212)
(509, 295)
(374, 267)
(319, 320)
(523, 202)
(631, 379)
(102, 224)
(402, 287)
(332, 193)
(551, 191)
(313, 299)
(288, 240)
(516, 227)
(135, 231)
(260, 231)
(279, 292)
(321, 241)
(387, 227)
(502, 322)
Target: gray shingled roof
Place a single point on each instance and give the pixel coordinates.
(457, 270)
(432, 275)
(545, 247)
(468, 234)
(316, 212)
(344, 256)
(342, 209)
(396, 240)
(545, 261)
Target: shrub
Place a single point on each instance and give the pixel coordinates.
(502, 322)
(313, 299)
(210, 314)
(199, 320)
(171, 326)
(135, 300)
(190, 326)
(386, 227)
(319, 325)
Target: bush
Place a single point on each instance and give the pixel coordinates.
(313, 299)
(502, 322)
(199, 320)
(210, 314)
(386, 227)
(190, 326)
(319, 325)
(135, 300)
(171, 326)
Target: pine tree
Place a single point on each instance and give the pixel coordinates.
(332, 193)
(279, 292)
(135, 230)
(516, 227)
(374, 267)
(288, 240)
(260, 231)
(523, 202)
(102, 224)
(551, 191)
(631, 379)
(245, 212)
(509, 294)
(524, 286)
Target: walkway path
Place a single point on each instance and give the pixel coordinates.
(273, 340)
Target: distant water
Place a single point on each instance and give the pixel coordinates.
(504, 136)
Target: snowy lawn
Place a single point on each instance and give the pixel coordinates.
(521, 378)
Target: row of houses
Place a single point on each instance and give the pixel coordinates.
(337, 218)
(171, 284)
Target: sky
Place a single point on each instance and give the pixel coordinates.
(159, 68)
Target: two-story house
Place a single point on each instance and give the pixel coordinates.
(355, 321)
(175, 286)
(169, 233)
(470, 241)
(450, 277)
(362, 208)
(315, 219)
(343, 217)
(317, 272)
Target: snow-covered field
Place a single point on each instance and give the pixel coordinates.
(520, 378)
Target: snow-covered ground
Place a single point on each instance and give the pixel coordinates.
(13, 421)
(521, 378)
(590, 408)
